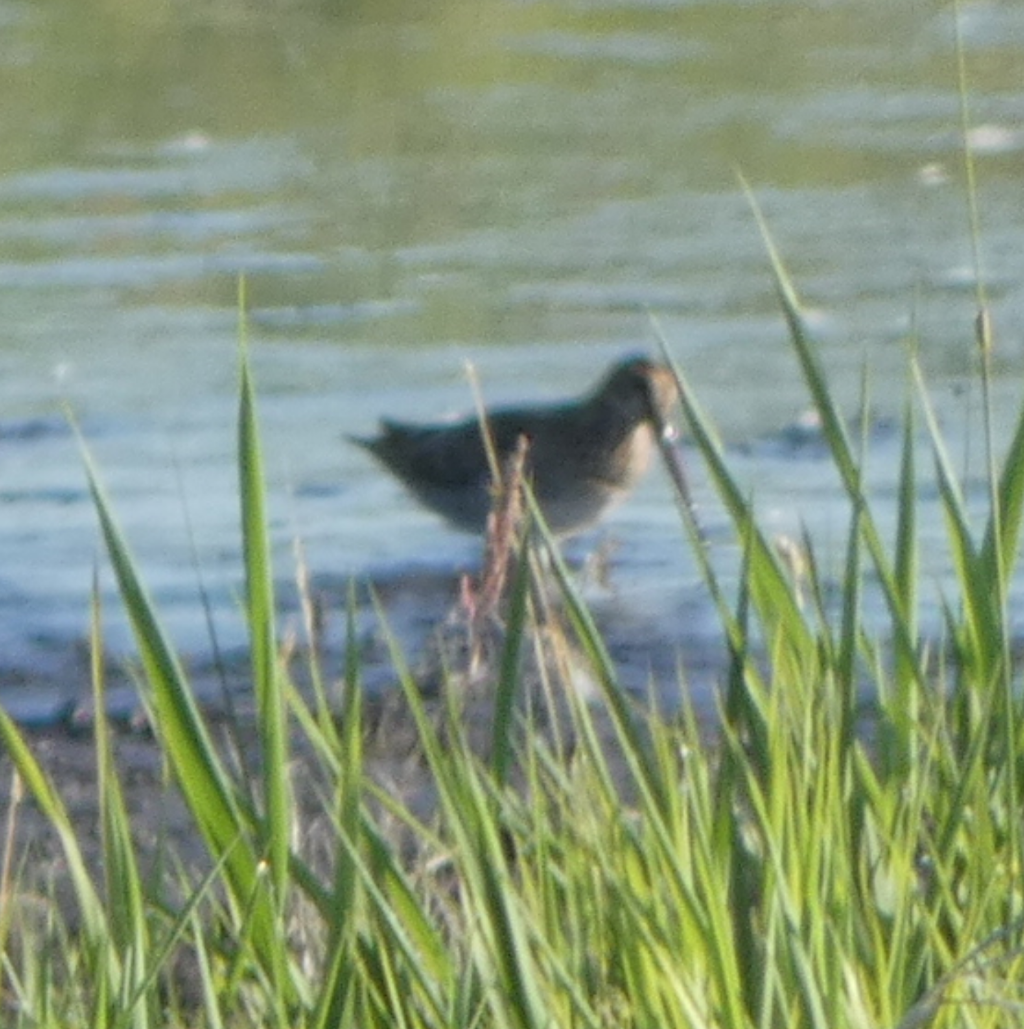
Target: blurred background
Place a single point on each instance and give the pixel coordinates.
(409, 186)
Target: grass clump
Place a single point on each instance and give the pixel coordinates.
(817, 862)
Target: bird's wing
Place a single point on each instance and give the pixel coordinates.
(450, 456)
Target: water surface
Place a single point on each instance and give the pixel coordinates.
(407, 187)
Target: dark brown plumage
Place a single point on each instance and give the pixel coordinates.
(584, 455)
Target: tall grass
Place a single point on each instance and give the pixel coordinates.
(808, 865)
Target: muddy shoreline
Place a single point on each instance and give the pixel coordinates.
(161, 825)
(448, 647)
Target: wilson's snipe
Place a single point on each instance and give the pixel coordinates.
(584, 455)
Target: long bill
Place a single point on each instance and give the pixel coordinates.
(667, 436)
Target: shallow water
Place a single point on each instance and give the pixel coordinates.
(407, 187)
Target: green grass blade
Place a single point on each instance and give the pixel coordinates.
(771, 592)
(593, 646)
(845, 661)
(502, 953)
(335, 986)
(126, 911)
(206, 787)
(833, 427)
(94, 919)
(1010, 498)
(906, 560)
(259, 606)
(835, 436)
(177, 714)
(900, 698)
(984, 627)
(162, 954)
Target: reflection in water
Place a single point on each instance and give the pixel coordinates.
(407, 187)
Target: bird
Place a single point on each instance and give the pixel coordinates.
(583, 455)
